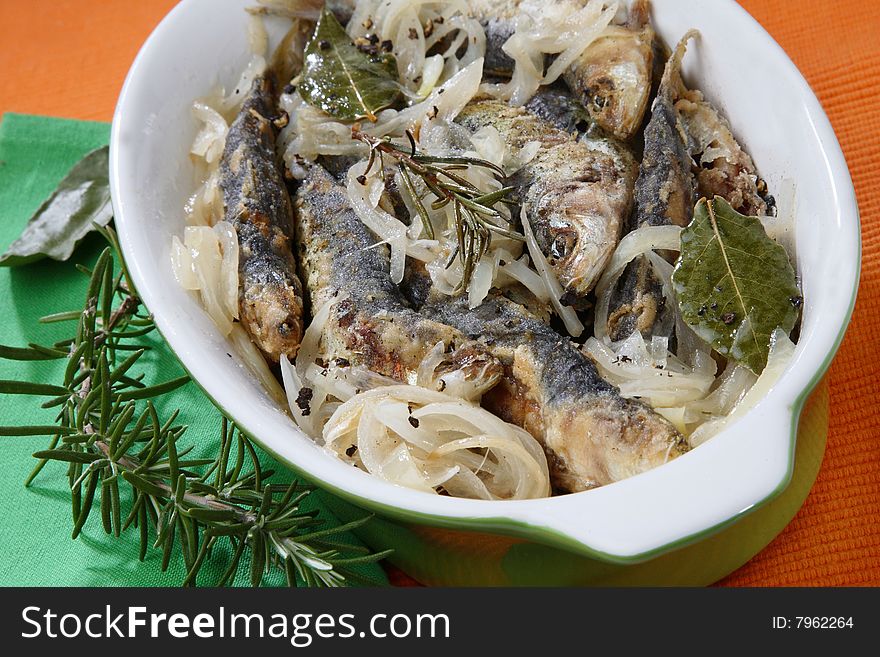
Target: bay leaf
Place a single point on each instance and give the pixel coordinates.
(344, 81)
(81, 200)
(734, 285)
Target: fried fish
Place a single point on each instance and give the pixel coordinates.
(612, 77)
(371, 324)
(690, 152)
(576, 192)
(529, 373)
(592, 436)
(257, 204)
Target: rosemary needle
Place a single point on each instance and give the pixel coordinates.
(109, 434)
(473, 210)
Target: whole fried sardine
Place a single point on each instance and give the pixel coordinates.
(256, 202)
(722, 167)
(592, 436)
(665, 193)
(577, 193)
(685, 135)
(371, 324)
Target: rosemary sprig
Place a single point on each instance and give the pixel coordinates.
(476, 218)
(110, 440)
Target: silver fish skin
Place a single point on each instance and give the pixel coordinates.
(555, 105)
(577, 193)
(371, 324)
(498, 18)
(257, 204)
(665, 190)
(592, 436)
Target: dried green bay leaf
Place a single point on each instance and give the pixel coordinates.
(344, 81)
(734, 285)
(79, 202)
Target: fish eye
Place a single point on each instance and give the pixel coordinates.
(563, 244)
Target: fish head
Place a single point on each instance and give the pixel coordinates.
(468, 371)
(612, 78)
(576, 229)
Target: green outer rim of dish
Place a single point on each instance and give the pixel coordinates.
(508, 527)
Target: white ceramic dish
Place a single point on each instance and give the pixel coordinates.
(772, 110)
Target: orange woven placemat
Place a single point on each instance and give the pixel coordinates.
(69, 58)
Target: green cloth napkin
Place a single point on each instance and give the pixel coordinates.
(35, 522)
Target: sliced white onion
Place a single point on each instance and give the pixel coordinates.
(634, 370)
(642, 240)
(359, 379)
(211, 138)
(253, 360)
(386, 226)
(527, 153)
(481, 281)
(410, 53)
(781, 352)
(520, 271)
(572, 323)
(230, 104)
(182, 265)
(565, 29)
(292, 387)
(425, 372)
(329, 384)
(430, 75)
(423, 439)
(729, 389)
(228, 239)
(207, 261)
(442, 105)
(205, 207)
(489, 144)
(309, 347)
(659, 349)
(529, 478)
(592, 23)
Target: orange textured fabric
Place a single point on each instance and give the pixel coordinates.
(69, 58)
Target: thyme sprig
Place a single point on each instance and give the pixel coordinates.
(109, 433)
(476, 217)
